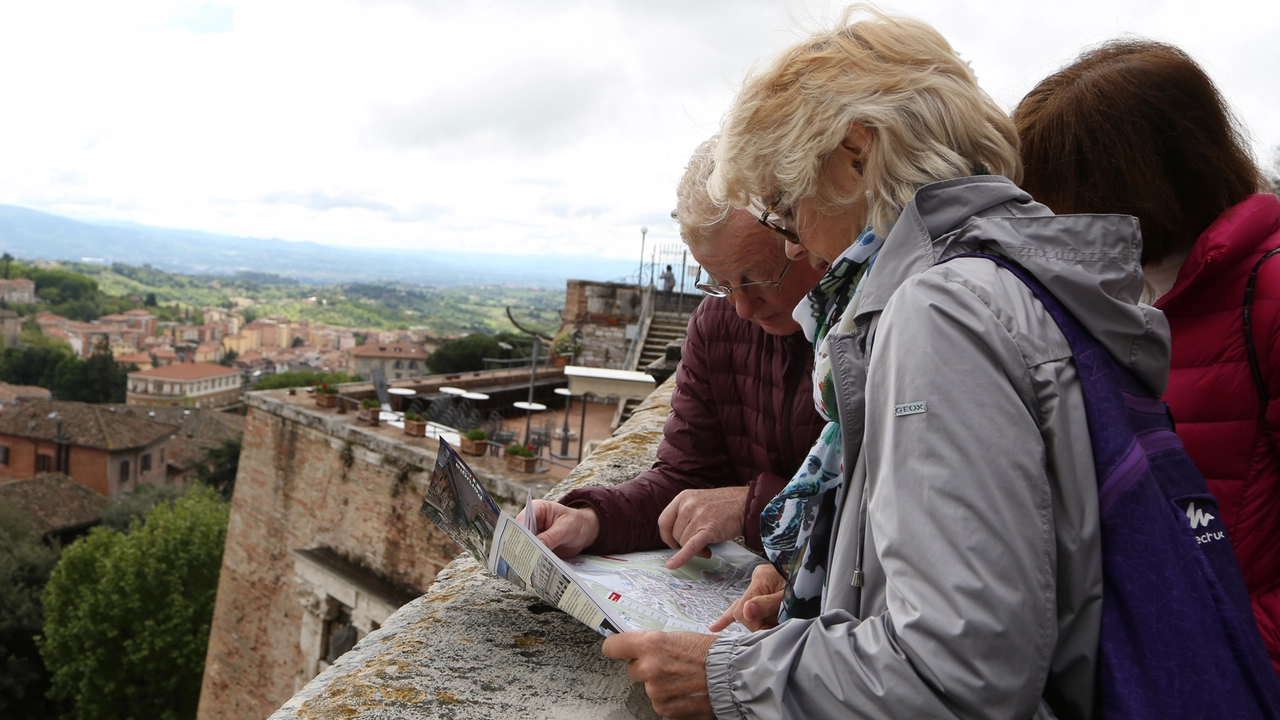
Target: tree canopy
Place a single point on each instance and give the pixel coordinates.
(97, 379)
(468, 353)
(218, 465)
(25, 564)
(302, 378)
(127, 615)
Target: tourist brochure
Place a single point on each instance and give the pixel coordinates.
(608, 593)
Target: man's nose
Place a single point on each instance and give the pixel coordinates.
(745, 303)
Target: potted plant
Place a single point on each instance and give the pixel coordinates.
(369, 410)
(415, 425)
(326, 395)
(563, 348)
(475, 442)
(520, 457)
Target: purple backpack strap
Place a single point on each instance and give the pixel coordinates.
(1178, 637)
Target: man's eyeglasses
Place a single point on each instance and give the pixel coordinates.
(772, 220)
(718, 290)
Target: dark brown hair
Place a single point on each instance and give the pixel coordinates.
(1135, 127)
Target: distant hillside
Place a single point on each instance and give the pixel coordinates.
(32, 234)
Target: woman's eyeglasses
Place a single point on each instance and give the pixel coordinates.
(718, 290)
(773, 221)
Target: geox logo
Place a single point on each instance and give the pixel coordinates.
(911, 408)
(1200, 519)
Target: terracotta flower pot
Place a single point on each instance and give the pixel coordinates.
(416, 428)
(370, 415)
(326, 400)
(522, 464)
(473, 447)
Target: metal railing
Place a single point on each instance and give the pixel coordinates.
(636, 347)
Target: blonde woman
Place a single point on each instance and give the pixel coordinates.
(940, 549)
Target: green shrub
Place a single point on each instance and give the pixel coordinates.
(518, 449)
(476, 435)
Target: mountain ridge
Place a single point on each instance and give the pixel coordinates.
(35, 234)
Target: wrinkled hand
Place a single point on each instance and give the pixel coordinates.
(564, 530)
(758, 607)
(697, 518)
(672, 667)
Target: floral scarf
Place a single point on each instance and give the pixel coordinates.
(795, 526)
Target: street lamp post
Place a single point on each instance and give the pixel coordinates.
(644, 230)
(564, 431)
(582, 427)
(533, 376)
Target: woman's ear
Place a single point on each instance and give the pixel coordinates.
(845, 166)
(858, 143)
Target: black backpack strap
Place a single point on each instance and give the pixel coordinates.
(1255, 366)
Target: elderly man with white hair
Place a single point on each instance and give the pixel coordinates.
(742, 415)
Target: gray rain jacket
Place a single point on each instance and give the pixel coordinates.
(964, 575)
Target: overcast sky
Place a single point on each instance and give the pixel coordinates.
(513, 127)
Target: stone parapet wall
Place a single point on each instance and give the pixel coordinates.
(476, 647)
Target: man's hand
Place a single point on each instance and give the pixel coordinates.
(758, 607)
(672, 667)
(697, 518)
(564, 530)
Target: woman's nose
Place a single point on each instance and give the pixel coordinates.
(795, 251)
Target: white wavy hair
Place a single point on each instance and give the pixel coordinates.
(699, 217)
(898, 78)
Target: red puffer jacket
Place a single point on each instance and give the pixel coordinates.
(741, 414)
(1213, 395)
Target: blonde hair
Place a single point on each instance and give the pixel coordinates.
(699, 216)
(898, 78)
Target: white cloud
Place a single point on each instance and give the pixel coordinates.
(503, 126)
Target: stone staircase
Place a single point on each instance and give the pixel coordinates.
(666, 327)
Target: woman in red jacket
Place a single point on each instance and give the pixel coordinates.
(1136, 127)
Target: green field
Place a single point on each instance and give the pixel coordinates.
(381, 306)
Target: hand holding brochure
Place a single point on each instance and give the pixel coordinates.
(608, 593)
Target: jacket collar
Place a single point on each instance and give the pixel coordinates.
(934, 211)
(1227, 242)
(1091, 263)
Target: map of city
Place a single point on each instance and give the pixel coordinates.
(648, 596)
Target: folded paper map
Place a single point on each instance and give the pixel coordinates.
(608, 593)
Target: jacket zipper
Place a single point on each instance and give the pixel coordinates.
(859, 578)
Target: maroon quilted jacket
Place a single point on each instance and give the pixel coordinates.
(741, 414)
(1213, 396)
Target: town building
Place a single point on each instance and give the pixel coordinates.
(18, 290)
(105, 450)
(141, 359)
(12, 396)
(196, 431)
(55, 506)
(10, 328)
(195, 384)
(398, 361)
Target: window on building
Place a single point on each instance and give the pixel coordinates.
(44, 463)
(146, 463)
(124, 471)
(161, 456)
(399, 365)
(413, 364)
(4, 454)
